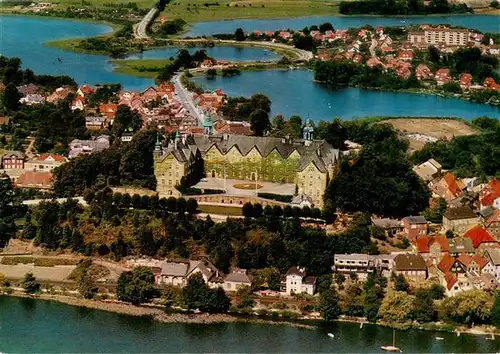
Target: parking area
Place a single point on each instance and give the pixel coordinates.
(250, 187)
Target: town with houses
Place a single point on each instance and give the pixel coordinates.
(235, 168)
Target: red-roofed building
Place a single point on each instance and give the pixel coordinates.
(434, 247)
(357, 59)
(423, 72)
(233, 127)
(490, 195)
(323, 56)
(35, 180)
(442, 76)
(78, 103)
(45, 162)
(405, 55)
(449, 263)
(372, 62)
(481, 238)
(492, 224)
(490, 83)
(108, 109)
(465, 81)
(455, 284)
(257, 33)
(447, 187)
(85, 90)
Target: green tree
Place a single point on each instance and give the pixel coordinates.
(260, 101)
(400, 284)
(136, 286)
(239, 35)
(194, 293)
(211, 73)
(324, 283)
(11, 97)
(259, 122)
(495, 311)
(30, 285)
(126, 120)
(436, 291)
(7, 226)
(468, 307)
(353, 301)
(396, 309)
(86, 285)
(329, 305)
(339, 279)
(423, 307)
(244, 295)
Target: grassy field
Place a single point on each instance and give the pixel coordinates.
(220, 210)
(148, 68)
(194, 10)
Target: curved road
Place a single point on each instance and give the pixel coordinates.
(140, 28)
(301, 55)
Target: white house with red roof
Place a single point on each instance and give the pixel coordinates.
(45, 162)
(465, 81)
(442, 76)
(423, 72)
(78, 103)
(84, 91)
(405, 55)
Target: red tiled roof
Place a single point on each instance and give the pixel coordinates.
(479, 235)
(493, 218)
(481, 261)
(446, 263)
(35, 180)
(423, 243)
(465, 259)
(56, 157)
(451, 181)
(451, 279)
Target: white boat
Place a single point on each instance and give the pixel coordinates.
(392, 348)
(439, 338)
(331, 335)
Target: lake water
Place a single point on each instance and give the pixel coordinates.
(221, 53)
(29, 325)
(484, 23)
(294, 92)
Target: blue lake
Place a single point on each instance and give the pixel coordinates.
(484, 23)
(37, 326)
(221, 53)
(294, 92)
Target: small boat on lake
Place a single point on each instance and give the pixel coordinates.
(439, 338)
(331, 335)
(392, 348)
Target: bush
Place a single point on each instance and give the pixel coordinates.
(278, 197)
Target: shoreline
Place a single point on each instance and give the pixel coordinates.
(157, 313)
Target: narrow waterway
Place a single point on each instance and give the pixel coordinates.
(29, 325)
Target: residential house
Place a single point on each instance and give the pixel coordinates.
(423, 72)
(78, 103)
(237, 279)
(492, 224)
(447, 187)
(428, 170)
(481, 239)
(494, 49)
(414, 227)
(442, 76)
(490, 84)
(390, 226)
(32, 99)
(28, 89)
(297, 281)
(84, 91)
(460, 245)
(177, 272)
(490, 195)
(405, 55)
(13, 160)
(35, 180)
(459, 219)
(233, 127)
(431, 246)
(474, 264)
(456, 283)
(58, 95)
(450, 264)
(357, 59)
(96, 123)
(363, 264)
(411, 266)
(492, 255)
(373, 62)
(108, 110)
(85, 147)
(45, 162)
(465, 81)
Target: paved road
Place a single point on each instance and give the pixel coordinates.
(185, 97)
(140, 28)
